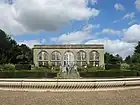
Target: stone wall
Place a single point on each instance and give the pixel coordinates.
(64, 48)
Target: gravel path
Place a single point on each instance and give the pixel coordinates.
(121, 97)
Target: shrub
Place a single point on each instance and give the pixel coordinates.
(135, 66)
(112, 66)
(125, 66)
(108, 73)
(7, 67)
(27, 74)
(23, 67)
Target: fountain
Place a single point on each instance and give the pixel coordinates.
(68, 71)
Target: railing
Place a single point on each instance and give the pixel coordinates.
(67, 84)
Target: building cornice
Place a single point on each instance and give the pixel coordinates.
(70, 46)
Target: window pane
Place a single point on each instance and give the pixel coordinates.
(45, 56)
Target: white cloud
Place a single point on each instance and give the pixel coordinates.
(94, 2)
(137, 3)
(48, 15)
(75, 37)
(132, 22)
(129, 15)
(115, 46)
(96, 26)
(109, 31)
(132, 34)
(119, 7)
(29, 43)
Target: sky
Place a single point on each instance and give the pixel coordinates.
(114, 23)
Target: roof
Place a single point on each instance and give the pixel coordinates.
(70, 46)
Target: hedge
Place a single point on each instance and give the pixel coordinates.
(43, 74)
(107, 73)
(27, 74)
(23, 67)
(112, 66)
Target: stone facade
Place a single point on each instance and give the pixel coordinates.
(69, 54)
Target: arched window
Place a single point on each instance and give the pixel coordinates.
(43, 58)
(94, 58)
(56, 58)
(68, 58)
(81, 58)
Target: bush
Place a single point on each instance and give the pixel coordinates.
(135, 66)
(112, 66)
(108, 73)
(125, 66)
(27, 74)
(7, 67)
(23, 67)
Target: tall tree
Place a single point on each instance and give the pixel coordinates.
(128, 60)
(137, 48)
(9, 50)
(109, 58)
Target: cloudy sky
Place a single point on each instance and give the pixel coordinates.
(114, 23)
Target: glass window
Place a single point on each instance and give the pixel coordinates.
(42, 58)
(81, 58)
(56, 58)
(94, 58)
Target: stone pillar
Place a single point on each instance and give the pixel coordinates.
(87, 56)
(49, 57)
(35, 57)
(101, 63)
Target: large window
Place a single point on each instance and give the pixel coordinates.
(56, 58)
(68, 58)
(81, 58)
(43, 58)
(94, 58)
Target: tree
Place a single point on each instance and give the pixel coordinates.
(137, 48)
(135, 59)
(128, 60)
(9, 50)
(109, 58)
(6, 46)
(25, 55)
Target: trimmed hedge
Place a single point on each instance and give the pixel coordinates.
(27, 74)
(107, 73)
(23, 67)
(112, 66)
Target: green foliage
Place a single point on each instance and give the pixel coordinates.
(110, 59)
(109, 73)
(125, 66)
(9, 50)
(135, 66)
(137, 48)
(7, 67)
(23, 67)
(128, 60)
(112, 66)
(135, 59)
(27, 74)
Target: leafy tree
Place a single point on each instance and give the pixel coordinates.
(137, 48)
(119, 58)
(6, 46)
(25, 55)
(109, 58)
(135, 59)
(10, 50)
(128, 60)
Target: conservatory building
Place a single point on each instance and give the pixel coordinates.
(69, 54)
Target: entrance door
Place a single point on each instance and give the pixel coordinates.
(68, 58)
